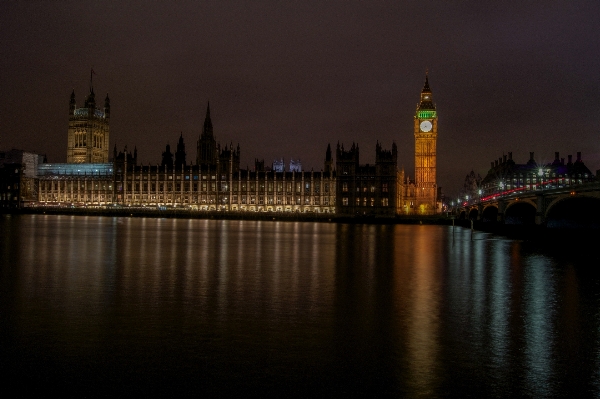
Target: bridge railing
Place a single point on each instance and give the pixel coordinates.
(491, 193)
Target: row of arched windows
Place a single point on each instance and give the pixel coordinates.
(80, 140)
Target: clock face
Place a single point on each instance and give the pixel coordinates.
(426, 126)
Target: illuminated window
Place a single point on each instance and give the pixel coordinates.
(345, 187)
(345, 201)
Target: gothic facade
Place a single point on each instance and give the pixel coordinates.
(216, 182)
(366, 189)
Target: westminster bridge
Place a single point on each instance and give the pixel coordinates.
(571, 206)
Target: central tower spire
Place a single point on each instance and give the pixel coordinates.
(207, 146)
(207, 130)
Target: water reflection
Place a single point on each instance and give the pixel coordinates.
(212, 306)
(423, 320)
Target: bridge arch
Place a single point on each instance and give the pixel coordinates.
(489, 214)
(578, 211)
(520, 212)
(473, 213)
(462, 215)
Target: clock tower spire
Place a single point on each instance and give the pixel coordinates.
(425, 130)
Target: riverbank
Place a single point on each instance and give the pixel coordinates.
(233, 215)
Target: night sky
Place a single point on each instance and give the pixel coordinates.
(284, 79)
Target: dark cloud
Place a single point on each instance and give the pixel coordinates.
(286, 78)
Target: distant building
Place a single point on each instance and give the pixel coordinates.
(506, 175)
(278, 165)
(295, 165)
(18, 182)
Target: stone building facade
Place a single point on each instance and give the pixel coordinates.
(367, 189)
(215, 182)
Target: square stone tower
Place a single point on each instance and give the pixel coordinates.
(88, 135)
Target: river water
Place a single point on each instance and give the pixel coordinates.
(98, 305)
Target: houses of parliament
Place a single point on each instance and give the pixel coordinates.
(209, 178)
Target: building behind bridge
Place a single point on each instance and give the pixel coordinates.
(507, 176)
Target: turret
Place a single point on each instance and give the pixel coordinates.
(180, 153)
(328, 160)
(207, 130)
(107, 107)
(72, 103)
(167, 158)
(531, 161)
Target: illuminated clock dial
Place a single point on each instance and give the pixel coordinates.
(426, 126)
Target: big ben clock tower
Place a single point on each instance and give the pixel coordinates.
(425, 129)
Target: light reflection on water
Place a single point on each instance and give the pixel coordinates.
(212, 306)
